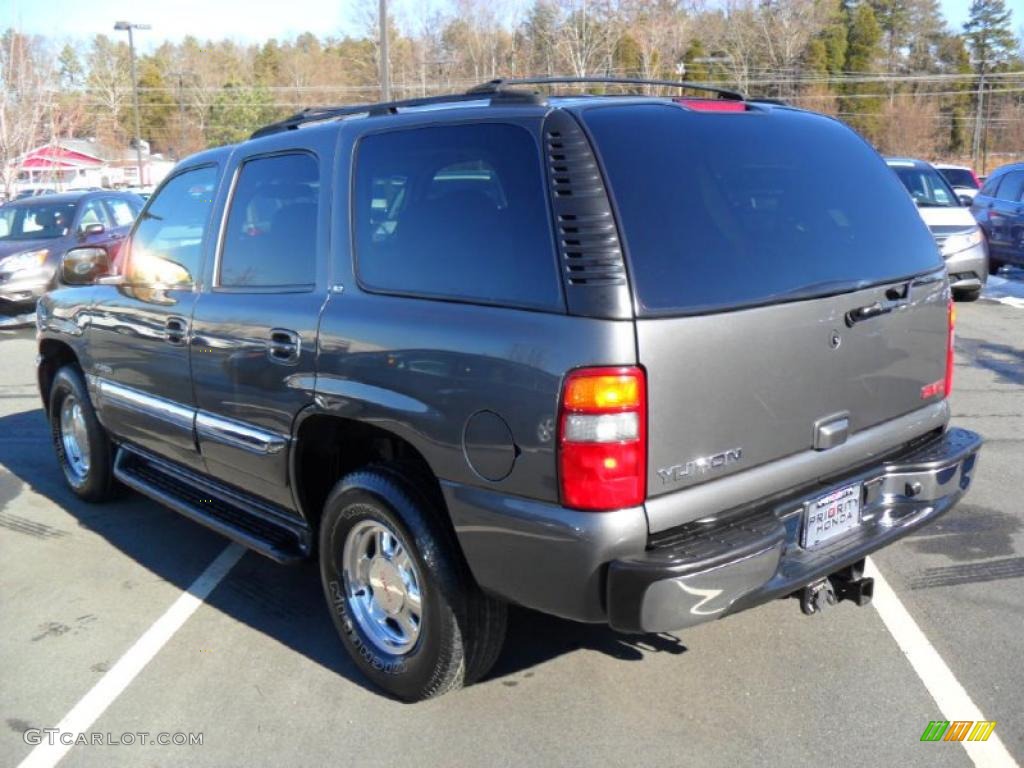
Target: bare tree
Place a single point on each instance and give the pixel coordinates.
(586, 36)
(27, 78)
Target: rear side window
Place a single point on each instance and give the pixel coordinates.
(455, 212)
(1012, 186)
(270, 236)
(167, 245)
(737, 209)
(122, 212)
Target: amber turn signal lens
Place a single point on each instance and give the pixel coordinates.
(602, 393)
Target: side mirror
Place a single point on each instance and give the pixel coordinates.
(966, 200)
(84, 266)
(93, 229)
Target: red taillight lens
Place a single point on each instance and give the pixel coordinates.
(948, 389)
(977, 181)
(602, 438)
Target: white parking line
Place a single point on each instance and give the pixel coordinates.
(953, 701)
(127, 668)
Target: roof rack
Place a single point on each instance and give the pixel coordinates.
(501, 90)
(501, 84)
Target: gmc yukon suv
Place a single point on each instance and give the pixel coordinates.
(638, 360)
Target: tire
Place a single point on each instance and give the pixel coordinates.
(458, 633)
(967, 295)
(84, 450)
(994, 264)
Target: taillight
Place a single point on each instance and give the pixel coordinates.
(948, 388)
(602, 438)
(977, 181)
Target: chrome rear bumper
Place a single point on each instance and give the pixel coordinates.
(701, 572)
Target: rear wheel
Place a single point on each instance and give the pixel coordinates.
(400, 594)
(83, 449)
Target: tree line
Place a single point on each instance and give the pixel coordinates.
(895, 70)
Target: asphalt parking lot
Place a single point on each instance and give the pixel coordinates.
(258, 671)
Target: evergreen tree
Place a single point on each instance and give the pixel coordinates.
(861, 107)
(989, 32)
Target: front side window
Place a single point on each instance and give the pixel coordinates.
(93, 213)
(167, 245)
(270, 236)
(455, 212)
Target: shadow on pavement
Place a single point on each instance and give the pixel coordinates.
(285, 603)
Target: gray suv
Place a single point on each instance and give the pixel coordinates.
(633, 360)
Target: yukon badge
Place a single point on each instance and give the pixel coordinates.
(701, 466)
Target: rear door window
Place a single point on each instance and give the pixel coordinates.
(270, 235)
(1012, 186)
(455, 212)
(723, 210)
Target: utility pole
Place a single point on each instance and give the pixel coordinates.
(122, 26)
(978, 115)
(385, 67)
(180, 75)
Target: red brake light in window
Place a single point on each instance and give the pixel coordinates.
(602, 441)
(713, 105)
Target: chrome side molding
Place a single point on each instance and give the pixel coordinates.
(238, 435)
(119, 396)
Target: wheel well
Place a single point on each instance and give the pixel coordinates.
(329, 447)
(53, 356)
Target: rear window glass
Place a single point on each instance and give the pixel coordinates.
(738, 209)
(959, 177)
(927, 188)
(455, 212)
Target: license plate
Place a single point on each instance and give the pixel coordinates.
(831, 515)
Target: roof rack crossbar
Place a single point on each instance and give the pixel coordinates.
(316, 114)
(500, 84)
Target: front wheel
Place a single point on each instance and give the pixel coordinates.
(399, 592)
(83, 449)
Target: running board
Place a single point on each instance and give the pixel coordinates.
(252, 522)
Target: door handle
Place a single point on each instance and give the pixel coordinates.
(175, 330)
(860, 314)
(284, 346)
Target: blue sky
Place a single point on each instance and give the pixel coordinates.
(251, 20)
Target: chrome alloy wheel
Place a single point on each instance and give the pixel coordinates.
(382, 584)
(74, 437)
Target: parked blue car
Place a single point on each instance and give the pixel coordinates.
(999, 209)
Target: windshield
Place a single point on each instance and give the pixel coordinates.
(723, 210)
(36, 222)
(959, 177)
(926, 186)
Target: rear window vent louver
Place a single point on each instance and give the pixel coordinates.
(588, 237)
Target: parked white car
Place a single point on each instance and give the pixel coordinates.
(964, 180)
(952, 224)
